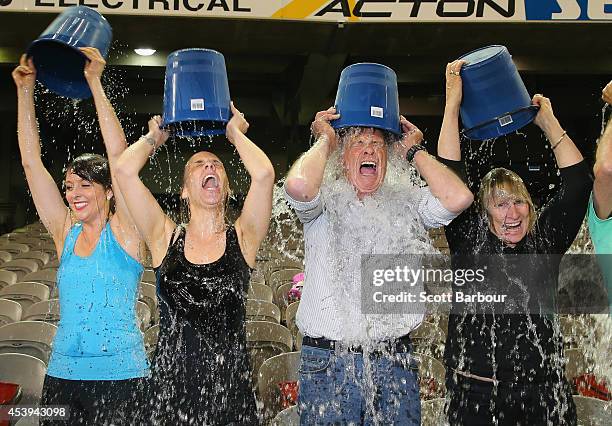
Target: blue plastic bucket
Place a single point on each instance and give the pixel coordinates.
(196, 93)
(495, 101)
(367, 97)
(58, 61)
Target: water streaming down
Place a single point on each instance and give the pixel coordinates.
(590, 333)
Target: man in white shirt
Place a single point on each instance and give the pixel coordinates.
(350, 205)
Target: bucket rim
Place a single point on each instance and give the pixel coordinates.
(369, 63)
(195, 49)
(481, 63)
(39, 41)
(471, 130)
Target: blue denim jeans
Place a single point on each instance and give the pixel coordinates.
(334, 389)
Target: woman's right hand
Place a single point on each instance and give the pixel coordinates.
(25, 73)
(454, 84)
(321, 129)
(156, 132)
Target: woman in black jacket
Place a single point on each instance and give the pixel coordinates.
(505, 365)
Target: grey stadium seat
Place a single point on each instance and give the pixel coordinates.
(28, 337)
(47, 311)
(10, 311)
(25, 370)
(26, 293)
(21, 267)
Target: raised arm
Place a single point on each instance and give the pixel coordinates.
(47, 197)
(255, 216)
(154, 226)
(562, 145)
(443, 183)
(602, 188)
(114, 141)
(305, 176)
(448, 142)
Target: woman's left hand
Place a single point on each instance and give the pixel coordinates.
(95, 64)
(236, 125)
(545, 118)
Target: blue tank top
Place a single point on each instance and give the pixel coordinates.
(98, 336)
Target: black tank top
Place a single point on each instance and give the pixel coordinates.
(201, 369)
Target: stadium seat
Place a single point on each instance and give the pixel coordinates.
(47, 311)
(282, 276)
(273, 373)
(53, 264)
(14, 248)
(147, 293)
(432, 377)
(260, 292)
(38, 256)
(148, 276)
(21, 267)
(26, 293)
(150, 340)
(576, 363)
(287, 417)
(143, 313)
(281, 297)
(432, 412)
(290, 314)
(260, 310)
(428, 338)
(5, 256)
(7, 278)
(44, 276)
(266, 339)
(592, 411)
(26, 371)
(28, 337)
(10, 311)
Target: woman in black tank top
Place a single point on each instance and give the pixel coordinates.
(202, 315)
(200, 371)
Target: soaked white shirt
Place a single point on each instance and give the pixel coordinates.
(319, 313)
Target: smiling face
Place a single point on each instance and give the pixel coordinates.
(365, 160)
(205, 181)
(508, 217)
(88, 201)
(508, 205)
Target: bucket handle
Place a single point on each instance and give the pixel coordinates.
(496, 119)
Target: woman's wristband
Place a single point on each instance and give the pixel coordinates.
(563, 135)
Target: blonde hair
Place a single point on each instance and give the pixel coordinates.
(504, 180)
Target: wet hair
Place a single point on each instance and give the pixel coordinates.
(347, 133)
(184, 209)
(505, 180)
(93, 168)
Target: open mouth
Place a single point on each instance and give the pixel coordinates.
(367, 168)
(512, 226)
(80, 205)
(210, 182)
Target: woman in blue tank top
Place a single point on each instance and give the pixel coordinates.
(98, 358)
(200, 372)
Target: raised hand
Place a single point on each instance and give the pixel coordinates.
(411, 135)
(545, 119)
(95, 64)
(25, 73)
(321, 129)
(156, 132)
(236, 125)
(454, 83)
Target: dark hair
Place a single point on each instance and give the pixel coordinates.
(92, 167)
